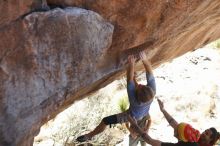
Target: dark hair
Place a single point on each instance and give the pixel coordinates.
(144, 93)
(215, 136)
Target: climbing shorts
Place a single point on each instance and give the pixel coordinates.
(117, 118)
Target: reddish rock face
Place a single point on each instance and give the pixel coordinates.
(50, 59)
(162, 26)
(10, 10)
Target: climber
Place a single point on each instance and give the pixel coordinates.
(135, 138)
(140, 98)
(185, 133)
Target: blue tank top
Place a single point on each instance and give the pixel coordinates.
(139, 110)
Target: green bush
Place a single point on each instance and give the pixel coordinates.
(123, 103)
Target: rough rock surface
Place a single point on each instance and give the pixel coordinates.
(41, 73)
(10, 10)
(165, 28)
(51, 58)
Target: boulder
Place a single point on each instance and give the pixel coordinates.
(49, 59)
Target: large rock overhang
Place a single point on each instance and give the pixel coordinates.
(52, 58)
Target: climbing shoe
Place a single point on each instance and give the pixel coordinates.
(82, 138)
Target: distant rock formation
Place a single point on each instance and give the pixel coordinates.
(51, 58)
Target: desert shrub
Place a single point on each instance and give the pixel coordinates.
(123, 103)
